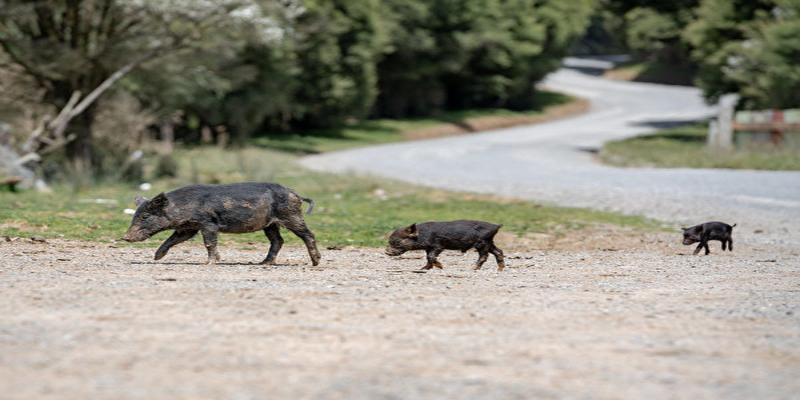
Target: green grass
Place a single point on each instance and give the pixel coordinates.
(685, 147)
(380, 131)
(351, 210)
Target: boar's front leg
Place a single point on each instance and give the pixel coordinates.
(210, 241)
(432, 261)
(273, 233)
(177, 237)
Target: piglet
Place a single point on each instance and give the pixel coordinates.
(709, 231)
(434, 237)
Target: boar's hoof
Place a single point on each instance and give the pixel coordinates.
(477, 267)
(268, 261)
(212, 260)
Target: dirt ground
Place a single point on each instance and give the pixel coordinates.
(600, 317)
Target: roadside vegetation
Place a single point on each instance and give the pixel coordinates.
(387, 130)
(351, 210)
(652, 72)
(685, 147)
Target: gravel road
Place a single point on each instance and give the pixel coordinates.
(553, 163)
(645, 320)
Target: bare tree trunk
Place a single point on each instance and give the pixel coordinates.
(80, 144)
(167, 136)
(80, 151)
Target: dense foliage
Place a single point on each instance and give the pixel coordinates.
(748, 47)
(239, 68)
(243, 67)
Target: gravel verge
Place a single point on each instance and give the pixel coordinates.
(644, 319)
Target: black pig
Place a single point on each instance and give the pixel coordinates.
(709, 231)
(232, 208)
(433, 237)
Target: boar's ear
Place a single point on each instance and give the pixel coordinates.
(411, 230)
(138, 200)
(159, 201)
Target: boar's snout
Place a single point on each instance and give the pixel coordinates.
(133, 236)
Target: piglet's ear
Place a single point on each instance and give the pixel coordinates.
(138, 200)
(159, 201)
(412, 231)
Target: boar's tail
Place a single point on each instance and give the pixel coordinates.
(310, 204)
(733, 225)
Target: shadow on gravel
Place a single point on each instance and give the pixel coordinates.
(220, 264)
(667, 123)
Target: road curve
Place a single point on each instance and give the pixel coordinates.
(553, 163)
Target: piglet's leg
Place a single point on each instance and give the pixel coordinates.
(705, 245)
(697, 250)
(210, 241)
(730, 244)
(432, 261)
(483, 254)
(498, 255)
(177, 237)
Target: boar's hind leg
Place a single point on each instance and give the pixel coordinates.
(273, 233)
(177, 237)
(730, 244)
(498, 255)
(210, 241)
(299, 228)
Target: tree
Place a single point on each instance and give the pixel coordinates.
(750, 48)
(85, 46)
(455, 54)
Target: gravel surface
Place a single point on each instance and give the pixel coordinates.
(553, 163)
(642, 319)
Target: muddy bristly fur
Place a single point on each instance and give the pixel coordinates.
(434, 237)
(231, 208)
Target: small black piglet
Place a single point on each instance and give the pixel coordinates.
(434, 237)
(709, 231)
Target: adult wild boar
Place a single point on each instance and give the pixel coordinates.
(231, 208)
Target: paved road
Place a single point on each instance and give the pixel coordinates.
(553, 163)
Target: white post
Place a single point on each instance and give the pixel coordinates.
(723, 139)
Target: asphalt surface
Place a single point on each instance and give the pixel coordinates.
(553, 163)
